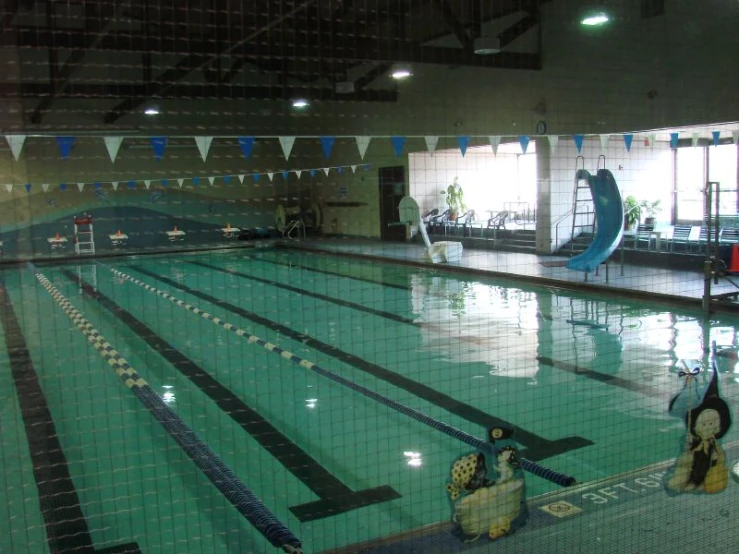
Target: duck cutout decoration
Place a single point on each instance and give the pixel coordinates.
(701, 466)
(486, 490)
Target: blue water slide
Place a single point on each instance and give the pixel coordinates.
(609, 221)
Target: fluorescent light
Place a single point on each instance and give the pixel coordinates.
(595, 19)
(486, 46)
(401, 71)
(152, 110)
(300, 103)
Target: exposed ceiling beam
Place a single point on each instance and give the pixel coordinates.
(366, 79)
(517, 29)
(178, 91)
(455, 24)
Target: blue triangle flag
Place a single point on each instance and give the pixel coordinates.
(28, 187)
(578, 142)
(256, 177)
(285, 174)
(398, 144)
(340, 170)
(98, 185)
(366, 167)
(132, 184)
(716, 135)
(524, 142)
(165, 183)
(158, 144)
(65, 146)
(62, 186)
(673, 139)
(195, 181)
(246, 143)
(327, 143)
(463, 142)
(312, 172)
(627, 141)
(227, 179)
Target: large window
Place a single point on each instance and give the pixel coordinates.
(695, 165)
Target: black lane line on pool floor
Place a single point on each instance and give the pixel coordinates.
(335, 496)
(537, 448)
(66, 527)
(561, 366)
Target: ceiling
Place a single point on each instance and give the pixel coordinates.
(133, 51)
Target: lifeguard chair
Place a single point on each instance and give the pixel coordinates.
(84, 240)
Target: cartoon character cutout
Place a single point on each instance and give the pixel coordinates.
(486, 490)
(701, 467)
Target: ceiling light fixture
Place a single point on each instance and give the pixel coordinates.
(594, 19)
(401, 71)
(152, 110)
(486, 46)
(300, 103)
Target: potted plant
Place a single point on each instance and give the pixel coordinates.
(455, 200)
(632, 212)
(652, 209)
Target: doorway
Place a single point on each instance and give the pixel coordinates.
(392, 190)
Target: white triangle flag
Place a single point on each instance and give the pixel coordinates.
(326, 170)
(80, 186)
(16, 144)
(147, 183)
(241, 178)
(45, 187)
(494, 143)
(604, 141)
(270, 175)
(115, 185)
(735, 136)
(354, 168)
(298, 172)
(696, 136)
(9, 188)
(553, 141)
(180, 182)
(203, 144)
(287, 145)
(113, 144)
(212, 180)
(431, 143)
(362, 144)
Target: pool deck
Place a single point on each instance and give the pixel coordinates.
(656, 283)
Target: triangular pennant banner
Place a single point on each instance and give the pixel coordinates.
(604, 141)
(326, 170)
(80, 186)
(132, 185)
(256, 177)
(578, 142)
(398, 144)
(65, 146)
(285, 174)
(211, 180)
(628, 139)
(431, 143)
(313, 172)
(195, 181)
(246, 143)
(45, 187)
(695, 138)
(16, 144)
(327, 143)
(27, 186)
(270, 175)
(673, 139)
(62, 186)
(241, 178)
(716, 135)
(735, 136)
(9, 188)
(354, 168)
(158, 144)
(147, 183)
(227, 179)
(463, 143)
(366, 167)
(98, 185)
(180, 182)
(113, 144)
(524, 142)
(651, 138)
(298, 172)
(165, 183)
(203, 144)
(340, 169)
(115, 185)
(287, 145)
(494, 143)
(553, 142)
(362, 144)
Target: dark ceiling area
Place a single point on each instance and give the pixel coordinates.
(133, 51)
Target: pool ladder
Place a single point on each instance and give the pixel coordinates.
(295, 226)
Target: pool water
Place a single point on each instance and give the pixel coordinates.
(584, 381)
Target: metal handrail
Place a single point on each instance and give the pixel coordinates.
(560, 220)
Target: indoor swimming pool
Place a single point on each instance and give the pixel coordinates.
(584, 381)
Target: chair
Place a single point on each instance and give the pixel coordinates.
(643, 234)
(462, 221)
(437, 220)
(680, 235)
(498, 220)
(729, 235)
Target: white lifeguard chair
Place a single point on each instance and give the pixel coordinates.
(84, 239)
(444, 251)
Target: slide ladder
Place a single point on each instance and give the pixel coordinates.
(583, 214)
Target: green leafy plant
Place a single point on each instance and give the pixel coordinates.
(632, 211)
(651, 208)
(455, 199)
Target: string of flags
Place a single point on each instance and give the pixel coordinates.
(196, 181)
(246, 143)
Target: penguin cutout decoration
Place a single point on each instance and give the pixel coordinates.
(701, 466)
(486, 490)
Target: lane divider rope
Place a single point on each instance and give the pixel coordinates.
(207, 461)
(528, 465)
